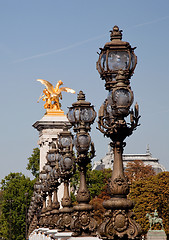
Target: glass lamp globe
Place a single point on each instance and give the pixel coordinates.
(116, 55)
(65, 139)
(122, 99)
(81, 111)
(51, 156)
(82, 142)
(66, 163)
(47, 168)
(42, 175)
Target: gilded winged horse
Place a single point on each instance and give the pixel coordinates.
(52, 95)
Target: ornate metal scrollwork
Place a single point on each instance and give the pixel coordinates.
(119, 223)
(83, 222)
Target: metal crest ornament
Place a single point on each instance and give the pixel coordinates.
(119, 224)
(116, 65)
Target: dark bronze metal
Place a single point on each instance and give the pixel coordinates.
(53, 177)
(35, 208)
(67, 168)
(81, 116)
(65, 213)
(118, 220)
(115, 46)
(46, 211)
(76, 116)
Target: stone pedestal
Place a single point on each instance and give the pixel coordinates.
(49, 127)
(156, 235)
(46, 234)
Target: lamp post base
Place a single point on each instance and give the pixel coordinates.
(64, 220)
(119, 224)
(83, 224)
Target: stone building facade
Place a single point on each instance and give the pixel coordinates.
(107, 161)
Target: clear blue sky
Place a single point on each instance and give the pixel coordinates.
(56, 40)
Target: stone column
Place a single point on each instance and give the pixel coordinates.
(49, 127)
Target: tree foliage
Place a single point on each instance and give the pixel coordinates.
(14, 203)
(97, 180)
(137, 170)
(150, 194)
(33, 164)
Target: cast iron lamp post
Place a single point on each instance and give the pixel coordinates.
(53, 158)
(35, 207)
(81, 115)
(66, 167)
(53, 182)
(48, 189)
(43, 179)
(116, 55)
(116, 64)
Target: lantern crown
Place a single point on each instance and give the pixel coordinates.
(116, 33)
(117, 55)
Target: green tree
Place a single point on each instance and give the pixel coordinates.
(33, 164)
(150, 194)
(14, 203)
(97, 180)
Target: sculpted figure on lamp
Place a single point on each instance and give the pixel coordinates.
(52, 95)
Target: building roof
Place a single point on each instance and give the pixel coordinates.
(107, 161)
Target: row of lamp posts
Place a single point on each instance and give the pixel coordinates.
(115, 65)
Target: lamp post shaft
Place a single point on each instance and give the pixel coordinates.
(55, 199)
(118, 162)
(83, 195)
(66, 200)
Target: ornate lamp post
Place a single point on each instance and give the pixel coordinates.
(53, 182)
(38, 200)
(116, 64)
(43, 179)
(35, 208)
(53, 158)
(81, 115)
(66, 166)
(116, 55)
(47, 194)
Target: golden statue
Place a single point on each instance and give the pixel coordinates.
(52, 95)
